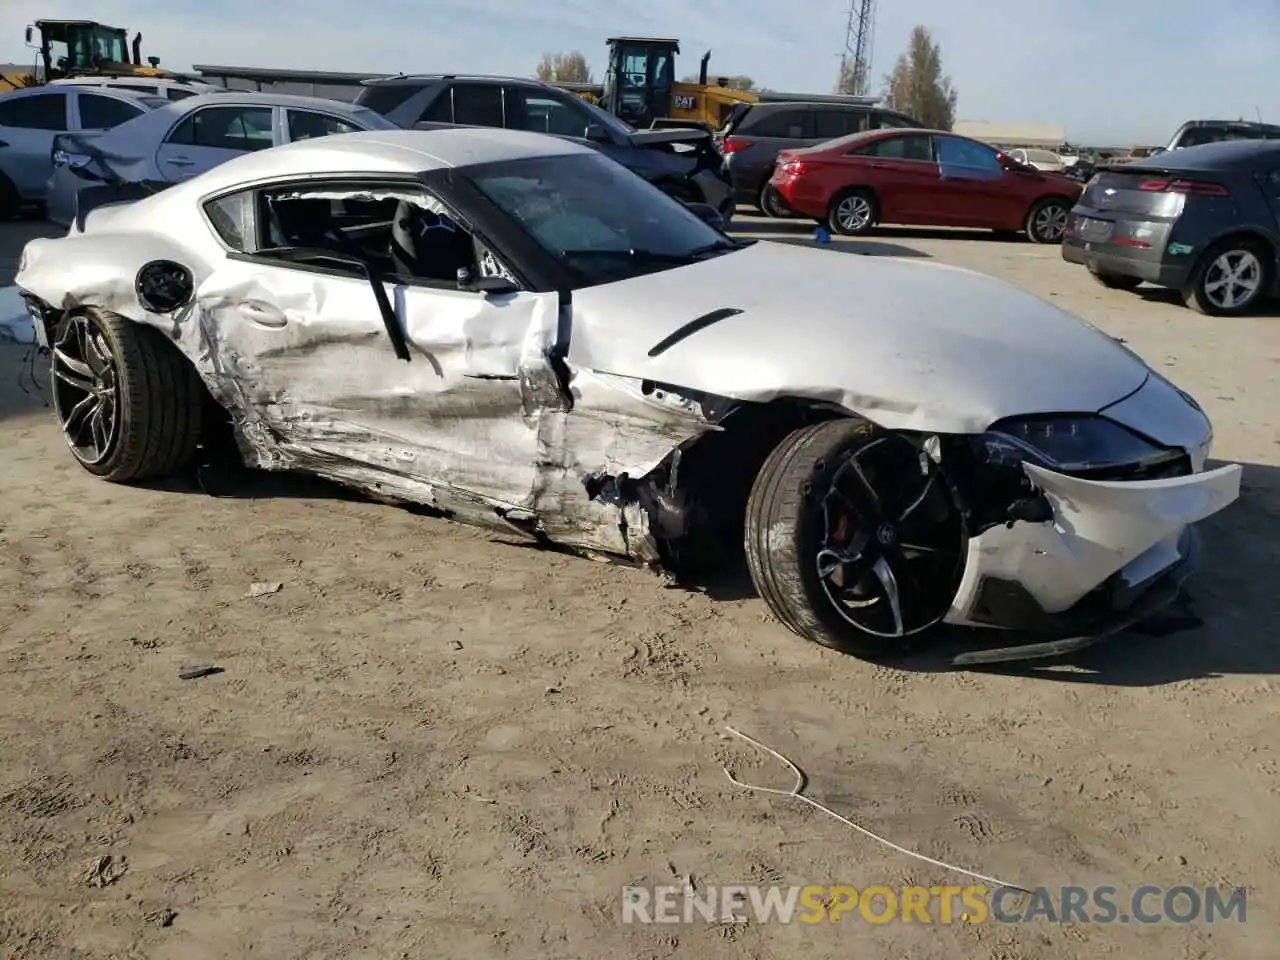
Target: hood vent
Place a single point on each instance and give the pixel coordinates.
(692, 327)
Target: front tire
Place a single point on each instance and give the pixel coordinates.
(852, 213)
(129, 404)
(853, 538)
(1231, 278)
(1116, 281)
(1047, 220)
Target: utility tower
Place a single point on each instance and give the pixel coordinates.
(858, 38)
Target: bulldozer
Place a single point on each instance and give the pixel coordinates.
(640, 87)
(75, 48)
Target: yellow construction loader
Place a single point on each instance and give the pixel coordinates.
(640, 87)
(74, 48)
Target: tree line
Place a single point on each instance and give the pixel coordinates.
(917, 85)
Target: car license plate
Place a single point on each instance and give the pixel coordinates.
(1094, 231)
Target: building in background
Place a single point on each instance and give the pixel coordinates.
(1010, 136)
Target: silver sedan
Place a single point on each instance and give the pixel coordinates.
(184, 139)
(30, 120)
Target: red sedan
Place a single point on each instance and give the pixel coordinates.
(922, 178)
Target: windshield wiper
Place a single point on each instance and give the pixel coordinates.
(719, 246)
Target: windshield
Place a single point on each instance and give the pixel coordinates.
(607, 119)
(598, 218)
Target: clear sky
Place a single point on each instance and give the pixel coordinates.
(1106, 70)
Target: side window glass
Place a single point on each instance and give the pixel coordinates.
(44, 111)
(184, 134)
(898, 148)
(177, 93)
(478, 105)
(831, 124)
(231, 218)
(964, 158)
(103, 113)
(785, 123)
(440, 110)
(402, 233)
(226, 128)
(545, 114)
(305, 125)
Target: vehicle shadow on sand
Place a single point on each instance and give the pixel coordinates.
(1270, 308)
(755, 226)
(1225, 622)
(801, 234)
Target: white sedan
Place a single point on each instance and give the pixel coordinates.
(1045, 160)
(521, 333)
(183, 139)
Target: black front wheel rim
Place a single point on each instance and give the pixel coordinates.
(892, 546)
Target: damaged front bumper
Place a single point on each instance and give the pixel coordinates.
(1112, 554)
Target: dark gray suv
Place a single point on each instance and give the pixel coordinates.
(756, 133)
(683, 162)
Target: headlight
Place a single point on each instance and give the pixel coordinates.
(1065, 443)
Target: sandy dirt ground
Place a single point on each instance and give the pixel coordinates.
(432, 743)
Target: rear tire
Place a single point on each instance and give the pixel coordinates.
(770, 203)
(129, 403)
(1231, 278)
(819, 560)
(852, 213)
(1116, 281)
(1047, 220)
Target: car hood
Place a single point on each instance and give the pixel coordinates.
(909, 344)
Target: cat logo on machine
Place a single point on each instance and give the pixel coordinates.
(686, 102)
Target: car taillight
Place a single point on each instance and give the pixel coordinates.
(732, 145)
(792, 168)
(1199, 188)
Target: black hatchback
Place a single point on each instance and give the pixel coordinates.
(1204, 221)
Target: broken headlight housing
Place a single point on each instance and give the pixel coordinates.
(1065, 443)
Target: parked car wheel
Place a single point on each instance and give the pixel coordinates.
(1231, 277)
(853, 538)
(1116, 281)
(130, 405)
(1047, 220)
(771, 205)
(852, 212)
(10, 199)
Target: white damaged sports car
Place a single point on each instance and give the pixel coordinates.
(517, 331)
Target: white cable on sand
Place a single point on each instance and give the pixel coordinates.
(796, 794)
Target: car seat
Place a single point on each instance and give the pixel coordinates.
(429, 245)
